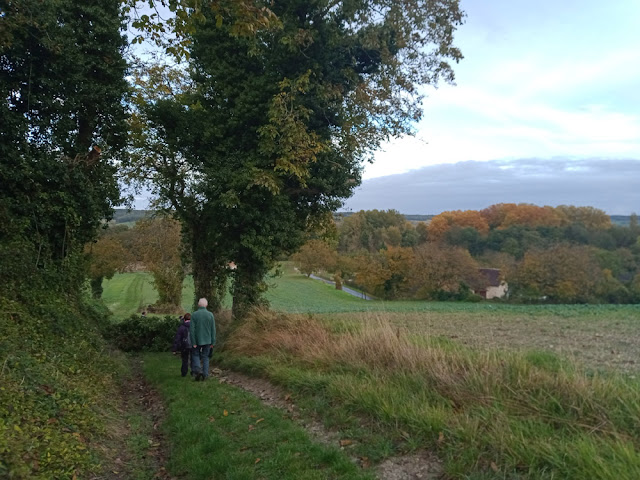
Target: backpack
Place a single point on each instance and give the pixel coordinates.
(186, 341)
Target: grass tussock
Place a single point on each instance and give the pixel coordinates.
(528, 413)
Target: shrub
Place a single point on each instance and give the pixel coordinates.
(136, 333)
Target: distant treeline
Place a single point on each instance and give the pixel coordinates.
(562, 254)
(410, 217)
(123, 215)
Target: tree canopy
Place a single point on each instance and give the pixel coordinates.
(273, 128)
(62, 87)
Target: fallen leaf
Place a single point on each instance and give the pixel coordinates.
(225, 413)
(364, 461)
(251, 427)
(257, 460)
(344, 443)
(494, 467)
(243, 449)
(259, 420)
(212, 419)
(440, 437)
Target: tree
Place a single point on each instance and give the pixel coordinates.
(562, 273)
(592, 218)
(277, 128)
(442, 223)
(372, 230)
(315, 256)
(159, 245)
(384, 273)
(63, 121)
(440, 268)
(106, 256)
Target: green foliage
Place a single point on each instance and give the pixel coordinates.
(158, 242)
(63, 84)
(53, 391)
(137, 333)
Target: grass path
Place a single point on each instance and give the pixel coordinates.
(220, 431)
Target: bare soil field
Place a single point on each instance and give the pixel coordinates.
(596, 342)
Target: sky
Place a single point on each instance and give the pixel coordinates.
(545, 110)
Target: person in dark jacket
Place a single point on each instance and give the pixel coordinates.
(203, 338)
(182, 344)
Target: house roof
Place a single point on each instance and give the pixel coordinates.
(492, 275)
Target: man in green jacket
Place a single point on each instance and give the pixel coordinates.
(203, 338)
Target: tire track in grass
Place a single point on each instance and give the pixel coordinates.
(417, 465)
(216, 430)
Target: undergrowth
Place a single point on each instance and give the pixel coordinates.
(57, 378)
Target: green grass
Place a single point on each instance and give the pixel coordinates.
(129, 293)
(219, 431)
(296, 293)
(489, 414)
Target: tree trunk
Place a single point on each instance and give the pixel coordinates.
(96, 287)
(209, 273)
(248, 287)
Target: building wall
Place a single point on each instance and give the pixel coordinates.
(497, 292)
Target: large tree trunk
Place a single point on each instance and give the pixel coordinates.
(248, 288)
(209, 273)
(96, 287)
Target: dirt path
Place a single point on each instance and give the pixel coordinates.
(137, 448)
(422, 465)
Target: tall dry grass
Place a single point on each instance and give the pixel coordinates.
(562, 396)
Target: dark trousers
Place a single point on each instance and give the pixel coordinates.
(186, 356)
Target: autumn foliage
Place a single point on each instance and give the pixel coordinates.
(544, 253)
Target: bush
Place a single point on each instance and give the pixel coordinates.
(137, 334)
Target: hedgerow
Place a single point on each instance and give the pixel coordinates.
(138, 334)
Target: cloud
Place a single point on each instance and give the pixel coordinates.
(608, 184)
(559, 79)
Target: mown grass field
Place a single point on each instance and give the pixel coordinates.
(129, 293)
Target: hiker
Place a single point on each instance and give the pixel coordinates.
(203, 338)
(182, 344)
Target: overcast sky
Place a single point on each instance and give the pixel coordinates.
(546, 110)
